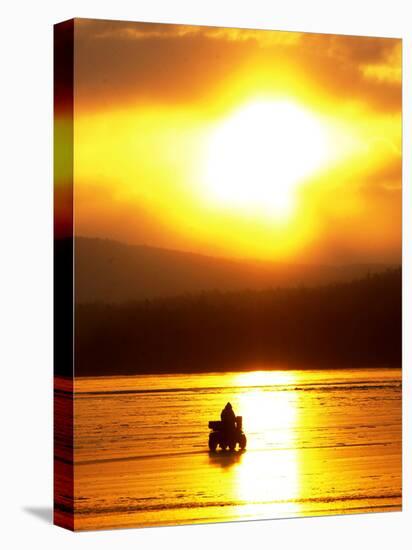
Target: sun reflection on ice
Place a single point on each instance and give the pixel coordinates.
(269, 410)
(269, 470)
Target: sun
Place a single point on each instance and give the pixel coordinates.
(258, 156)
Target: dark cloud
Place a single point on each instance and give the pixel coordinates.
(352, 49)
(171, 70)
(336, 66)
(122, 62)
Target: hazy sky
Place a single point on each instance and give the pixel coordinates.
(272, 145)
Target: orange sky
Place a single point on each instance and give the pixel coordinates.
(262, 144)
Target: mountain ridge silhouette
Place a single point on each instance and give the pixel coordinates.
(108, 271)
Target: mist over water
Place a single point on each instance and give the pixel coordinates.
(319, 441)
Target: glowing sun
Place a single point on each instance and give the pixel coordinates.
(257, 157)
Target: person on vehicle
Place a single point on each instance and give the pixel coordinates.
(228, 417)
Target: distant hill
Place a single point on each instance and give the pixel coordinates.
(111, 272)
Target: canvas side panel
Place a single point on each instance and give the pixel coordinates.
(63, 275)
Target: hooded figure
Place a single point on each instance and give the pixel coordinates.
(228, 417)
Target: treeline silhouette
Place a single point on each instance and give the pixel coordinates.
(338, 325)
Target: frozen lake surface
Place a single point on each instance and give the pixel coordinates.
(319, 442)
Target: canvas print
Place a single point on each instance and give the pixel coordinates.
(228, 305)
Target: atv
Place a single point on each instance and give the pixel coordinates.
(226, 437)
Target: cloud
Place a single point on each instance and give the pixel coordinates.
(386, 178)
(350, 68)
(118, 63)
(144, 31)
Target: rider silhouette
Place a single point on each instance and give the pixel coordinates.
(228, 417)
